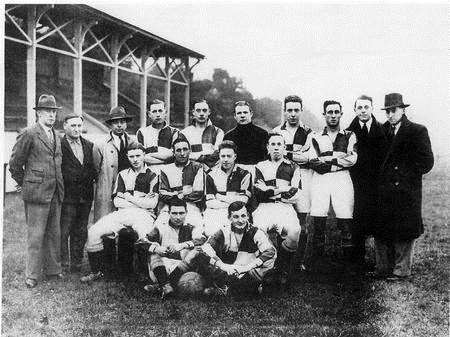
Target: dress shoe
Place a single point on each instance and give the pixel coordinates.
(30, 282)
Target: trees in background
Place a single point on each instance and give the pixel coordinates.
(224, 90)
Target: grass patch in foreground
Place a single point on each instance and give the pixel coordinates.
(333, 305)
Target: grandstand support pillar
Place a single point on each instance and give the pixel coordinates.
(31, 65)
(80, 31)
(143, 91)
(114, 80)
(78, 70)
(167, 91)
(116, 44)
(186, 91)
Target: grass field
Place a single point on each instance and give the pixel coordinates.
(333, 305)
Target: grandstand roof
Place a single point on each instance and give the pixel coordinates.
(110, 23)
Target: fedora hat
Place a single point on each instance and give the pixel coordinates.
(393, 100)
(118, 112)
(46, 102)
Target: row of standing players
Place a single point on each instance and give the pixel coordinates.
(302, 173)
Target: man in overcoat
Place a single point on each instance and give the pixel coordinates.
(110, 157)
(35, 165)
(79, 176)
(371, 144)
(408, 157)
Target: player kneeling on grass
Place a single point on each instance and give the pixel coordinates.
(225, 183)
(277, 186)
(238, 255)
(136, 196)
(170, 246)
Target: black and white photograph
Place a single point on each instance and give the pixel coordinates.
(225, 168)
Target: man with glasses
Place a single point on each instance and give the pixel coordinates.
(203, 136)
(157, 137)
(331, 154)
(365, 173)
(35, 165)
(297, 137)
(250, 139)
(409, 156)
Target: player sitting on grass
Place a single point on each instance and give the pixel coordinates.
(277, 186)
(238, 255)
(225, 183)
(170, 249)
(135, 196)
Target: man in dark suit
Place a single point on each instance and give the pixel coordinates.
(409, 156)
(35, 165)
(371, 144)
(79, 175)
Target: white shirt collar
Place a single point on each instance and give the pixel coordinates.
(368, 124)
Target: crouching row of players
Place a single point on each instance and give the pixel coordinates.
(222, 242)
(238, 255)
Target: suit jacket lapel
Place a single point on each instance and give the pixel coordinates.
(85, 150)
(65, 143)
(111, 140)
(44, 138)
(397, 138)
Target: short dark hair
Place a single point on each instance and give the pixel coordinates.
(199, 100)
(274, 134)
(156, 101)
(330, 102)
(180, 140)
(363, 97)
(292, 98)
(135, 146)
(177, 203)
(242, 103)
(236, 206)
(228, 144)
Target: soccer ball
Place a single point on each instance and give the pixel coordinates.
(191, 283)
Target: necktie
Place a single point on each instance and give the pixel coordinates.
(122, 144)
(364, 131)
(391, 133)
(50, 136)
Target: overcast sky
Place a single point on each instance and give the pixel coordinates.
(318, 51)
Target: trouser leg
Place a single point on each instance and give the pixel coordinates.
(52, 238)
(36, 218)
(68, 217)
(78, 235)
(384, 256)
(403, 258)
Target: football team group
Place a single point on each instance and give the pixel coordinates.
(244, 209)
